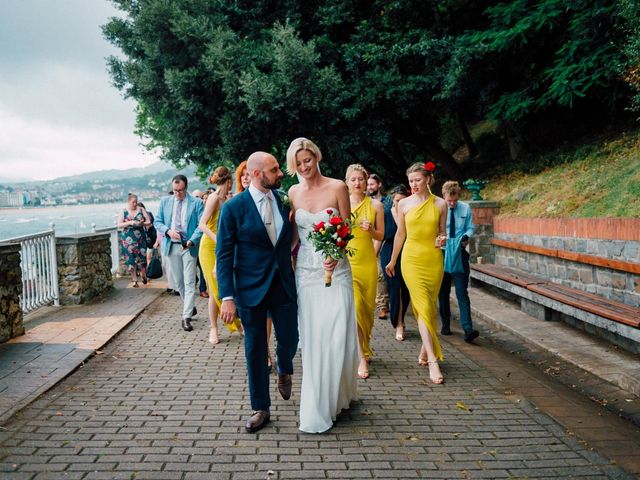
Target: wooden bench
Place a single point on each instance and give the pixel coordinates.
(588, 302)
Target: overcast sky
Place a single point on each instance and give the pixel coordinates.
(59, 113)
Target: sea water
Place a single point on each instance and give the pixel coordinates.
(67, 219)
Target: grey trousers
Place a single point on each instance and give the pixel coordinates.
(182, 270)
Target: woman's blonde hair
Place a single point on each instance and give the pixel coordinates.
(220, 176)
(356, 167)
(239, 174)
(297, 145)
(131, 196)
(418, 167)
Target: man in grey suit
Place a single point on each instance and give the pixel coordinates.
(177, 225)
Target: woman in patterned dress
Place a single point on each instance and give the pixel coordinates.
(133, 240)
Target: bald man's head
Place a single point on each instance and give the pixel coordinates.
(264, 171)
(256, 161)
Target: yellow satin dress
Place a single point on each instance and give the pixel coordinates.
(422, 265)
(207, 257)
(364, 268)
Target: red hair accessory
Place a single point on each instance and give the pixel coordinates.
(430, 167)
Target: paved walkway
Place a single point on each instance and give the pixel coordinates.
(160, 403)
(603, 360)
(59, 339)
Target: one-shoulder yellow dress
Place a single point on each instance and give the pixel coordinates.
(365, 271)
(207, 257)
(422, 265)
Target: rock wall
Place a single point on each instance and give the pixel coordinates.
(84, 267)
(11, 317)
(479, 244)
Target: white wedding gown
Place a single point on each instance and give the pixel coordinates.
(328, 336)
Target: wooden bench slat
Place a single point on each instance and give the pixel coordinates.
(586, 301)
(584, 304)
(592, 297)
(507, 274)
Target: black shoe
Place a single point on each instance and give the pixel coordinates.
(186, 324)
(471, 336)
(176, 293)
(194, 312)
(284, 385)
(445, 331)
(169, 290)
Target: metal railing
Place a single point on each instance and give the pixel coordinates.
(115, 246)
(39, 266)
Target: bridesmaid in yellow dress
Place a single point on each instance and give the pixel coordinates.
(367, 216)
(207, 253)
(421, 222)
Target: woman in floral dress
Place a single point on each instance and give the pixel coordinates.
(133, 240)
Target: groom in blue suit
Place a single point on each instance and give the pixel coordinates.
(253, 267)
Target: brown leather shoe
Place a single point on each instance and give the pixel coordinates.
(258, 419)
(284, 385)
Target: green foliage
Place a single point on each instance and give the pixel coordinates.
(630, 69)
(597, 179)
(381, 83)
(546, 54)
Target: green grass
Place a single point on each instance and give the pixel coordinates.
(601, 179)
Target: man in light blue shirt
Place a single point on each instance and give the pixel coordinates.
(456, 262)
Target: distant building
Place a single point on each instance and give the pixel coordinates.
(12, 199)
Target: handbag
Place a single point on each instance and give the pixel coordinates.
(154, 270)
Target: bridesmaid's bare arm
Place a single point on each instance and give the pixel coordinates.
(398, 240)
(342, 195)
(209, 210)
(377, 232)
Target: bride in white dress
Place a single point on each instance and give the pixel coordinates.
(326, 315)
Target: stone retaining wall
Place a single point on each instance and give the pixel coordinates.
(84, 267)
(614, 284)
(10, 290)
(479, 244)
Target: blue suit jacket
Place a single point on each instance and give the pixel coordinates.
(246, 260)
(164, 219)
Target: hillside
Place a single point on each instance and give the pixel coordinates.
(600, 179)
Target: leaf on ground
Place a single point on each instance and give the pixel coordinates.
(100, 352)
(462, 406)
(413, 438)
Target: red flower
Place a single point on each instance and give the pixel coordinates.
(330, 212)
(430, 167)
(343, 231)
(341, 243)
(319, 226)
(335, 221)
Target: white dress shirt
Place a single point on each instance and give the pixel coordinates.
(259, 198)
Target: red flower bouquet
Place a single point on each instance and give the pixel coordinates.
(331, 238)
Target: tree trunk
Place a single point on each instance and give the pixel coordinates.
(471, 146)
(515, 141)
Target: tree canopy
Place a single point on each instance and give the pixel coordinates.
(381, 83)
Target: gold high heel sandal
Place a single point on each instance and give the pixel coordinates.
(438, 379)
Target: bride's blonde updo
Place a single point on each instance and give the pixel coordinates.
(297, 145)
(356, 167)
(220, 176)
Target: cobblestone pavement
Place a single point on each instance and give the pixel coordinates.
(161, 403)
